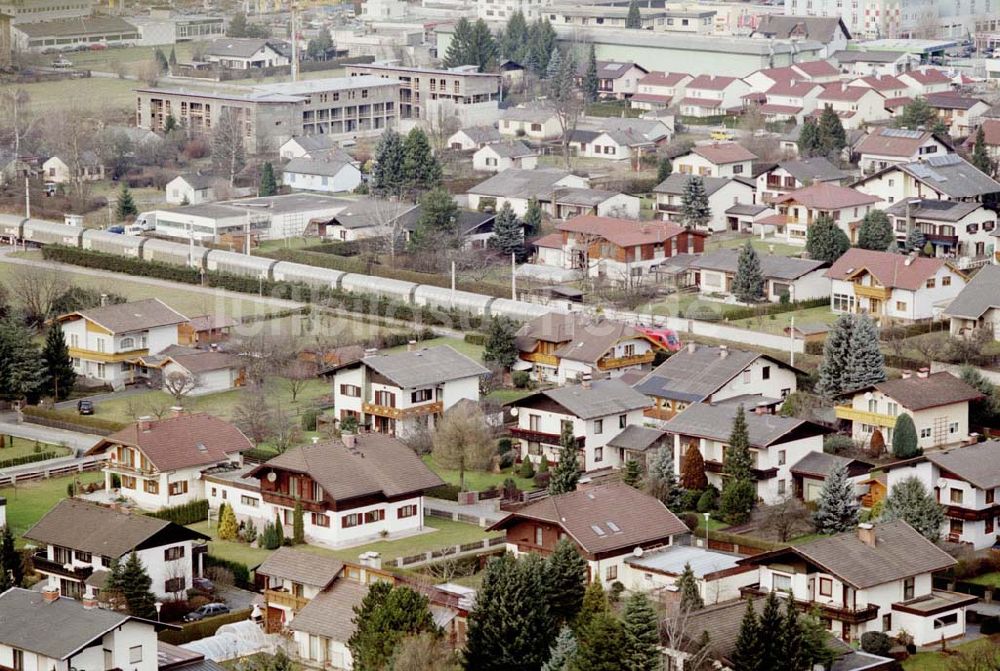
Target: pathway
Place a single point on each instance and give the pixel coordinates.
(71, 439)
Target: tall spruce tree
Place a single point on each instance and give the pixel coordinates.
(825, 241)
(566, 581)
(661, 481)
(634, 18)
(904, 438)
(910, 502)
(664, 169)
(739, 490)
(832, 136)
(687, 585)
(632, 473)
(515, 40)
(460, 47)
(437, 225)
(57, 361)
(603, 647)
(555, 64)
(23, 374)
(591, 83)
(812, 646)
(642, 634)
(748, 652)
(695, 210)
(135, 586)
(809, 143)
(876, 232)
(172, 60)
(865, 363)
(385, 616)
(595, 602)
(501, 342)
(533, 218)
(268, 183)
(125, 206)
(836, 350)
(748, 282)
(507, 235)
(563, 651)
(837, 509)
(566, 473)
(421, 170)
(771, 624)
(980, 154)
(793, 655)
(298, 524)
(11, 562)
(388, 173)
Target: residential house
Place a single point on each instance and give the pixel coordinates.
(878, 578)
(925, 81)
(718, 159)
(991, 137)
(799, 209)
(960, 113)
(474, 137)
(500, 156)
(192, 372)
(657, 89)
(160, 462)
(717, 574)
(621, 250)
(103, 340)
(820, 72)
(713, 95)
(518, 187)
(291, 579)
(563, 347)
(69, 170)
(615, 80)
(883, 147)
(568, 202)
(893, 89)
(964, 480)
(796, 174)
(937, 403)
(948, 177)
(641, 444)
(232, 53)
(785, 278)
(790, 99)
(43, 630)
(369, 217)
(607, 524)
(747, 217)
(596, 411)
(325, 174)
(403, 393)
(890, 286)
(312, 146)
(206, 330)
(811, 472)
(352, 490)
(977, 305)
(703, 374)
(831, 32)
(955, 229)
(78, 542)
(866, 63)
(776, 442)
(615, 145)
(855, 105)
(539, 123)
(722, 192)
(190, 189)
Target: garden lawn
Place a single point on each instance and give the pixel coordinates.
(478, 480)
(777, 323)
(14, 448)
(474, 352)
(509, 395)
(935, 661)
(28, 502)
(762, 246)
(92, 94)
(991, 579)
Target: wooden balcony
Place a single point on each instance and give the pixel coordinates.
(285, 599)
(107, 357)
(609, 363)
(971, 514)
(541, 437)
(288, 501)
(712, 466)
(402, 413)
(538, 357)
(665, 414)
(878, 293)
(131, 469)
(832, 611)
(43, 564)
(863, 416)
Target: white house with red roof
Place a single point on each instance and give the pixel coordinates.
(800, 209)
(615, 79)
(894, 286)
(991, 135)
(855, 105)
(791, 99)
(660, 89)
(820, 72)
(883, 147)
(713, 95)
(925, 81)
(960, 113)
(888, 85)
(718, 159)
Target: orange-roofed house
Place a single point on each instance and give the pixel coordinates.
(718, 159)
(800, 209)
(614, 248)
(712, 95)
(893, 286)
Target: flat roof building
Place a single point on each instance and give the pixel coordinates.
(69, 32)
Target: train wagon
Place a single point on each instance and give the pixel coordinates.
(113, 243)
(232, 263)
(446, 299)
(174, 253)
(51, 233)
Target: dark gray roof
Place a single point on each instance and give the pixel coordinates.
(83, 25)
(331, 613)
(605, 397)
(376, 212)
(822, 463)
(867, 56)
(513, 149)
(676, 183)
(816, 169)
(56, 630)
(133, 316)
(302, 567)
(239, 47)
(576, 196)
(938, 210)
(639, 438)
(747, 209)
(951, 175)
(979, 295)
(197, 181)
(313, 143)
(328, 166)
(979, 464)
(820, 28)
(482, 134)
(715, 422)
(694, 376)
(432, 365)
(518, 183)
(773, 266)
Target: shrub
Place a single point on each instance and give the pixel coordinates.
(207, 627)
(690, 520)
(527, 469)
(837, 443)
(446, 492)
(709, 500)
(521, 379)
(184, 514)
(689, 500)
(615, 593)
(475, 338)
(241, 574)
(506, 460)
(309, 417)
(197, 602)
(542, 479)
(27, 459)
(876, 643)
(174, 610)
(103, 426)
(504, 445)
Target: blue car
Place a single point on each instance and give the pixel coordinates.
(116, 229)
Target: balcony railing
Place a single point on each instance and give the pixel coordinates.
(539, 357)
(832, 611)
(288, 501)
(879, 293)
(122, 467)
(863, 416)
(285, 599)
(712, 466)
(666, 414)
(45, 565)
(622, 361)
(541, 436)
(93, 355)
(402, 413)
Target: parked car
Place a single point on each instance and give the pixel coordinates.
(722, 134)
(85, 406)
(204, 584)
(116, 229)
(208, 610)
(62, 63)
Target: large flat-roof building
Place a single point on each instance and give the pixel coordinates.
(70, 32)
(32, 11)
(345, 108)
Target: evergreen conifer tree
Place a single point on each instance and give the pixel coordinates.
(501, 345)
(865, 363)
(228, 526)
(693, 476)
(437, 226)
(11, 563)
(566, 473)
(388, 176)
(386, 615)
(739, 491)
(910, 501)
(298, 525)
(595, 602)
(268, 183)
(809, 142)
(632, 473)
(515, 39)
(22, 368)
(695, 210)
(134, 584)
(483, 47)
(172, 60)
(825, 241)
(980, 155)
(555, 64)
(661, 481)
(563, 651)
(421, 170)
(876, 232)
(642, 634)
(748, 651)
(126, 204)
(533, 218)
(837, 508)
(566, 581)
(687, 585)
(603, 647)
(664, 169)
(57, 361)
(836, 349)
(634, 18)
(161, 60)
(771, 625)
(812, 646)
(460, 48)
(832, 136)
(507, 236)
(915, 240)
(904, 438)
(793, 657)
(748, 282)
(590, 81)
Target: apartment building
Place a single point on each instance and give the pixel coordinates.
(34, 11)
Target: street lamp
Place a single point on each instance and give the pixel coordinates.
(158, 605)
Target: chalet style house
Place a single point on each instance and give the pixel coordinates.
(701, 374)
(160, 462)
(365, 487)
(399, 394)
(605, 522)
(291, 579)
(877, 578)
(562, 347)
(964, 480)
(78, 541)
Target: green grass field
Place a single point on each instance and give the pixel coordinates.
(26, 503)
(762, 246)
(478, 480)
(937, 661)
(820, 315)
(93, 94)
(474, 352)
(14, 447)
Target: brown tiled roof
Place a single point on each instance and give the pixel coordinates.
(377, 465)
(134, 316)
(929, 76)
(883, 83)
(721, 153)
(842, 92)
(180, 442)
(89, 527)
(991, 129)
(622, 232)
(302, 567)
(893, 103)
(331, 613)
(657, 78)
(604, 518)
(891, 270)
(899, 552)
(554, 240)
(951, 100)
(979, 463)
(893, 142)
(920, 393)
(584, 339)
(209, 322)
(710, 82)
(827, 196)
(779, 109)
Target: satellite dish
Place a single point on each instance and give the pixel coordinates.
(272, 476)
(868, 396)
(637, 552)
(942, 483)
(513, 412)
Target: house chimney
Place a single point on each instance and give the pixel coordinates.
(176, 411)
(923, 373)
(723, 351)
(692, 347)
(907, 374)
(411, 346)
(585, 380)
(50, 594)
(350, 439)
(104, 300)
(144, 422)
(866, 533)
(89, 603)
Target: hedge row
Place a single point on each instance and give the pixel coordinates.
(184, 514)
(240, 571)
(193, 631)
(744, 541)
(475, 338)
(350, 302)
(748, 311)
(86, 421)
(27, 459)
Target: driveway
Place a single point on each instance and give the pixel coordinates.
(71, 439)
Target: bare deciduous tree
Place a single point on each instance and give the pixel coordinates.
(463, 441)
(16, 117)
(424, 652)
(37, 290)
(678, 634)
(296, 375)
(228, 150)
(785, 519)
(179, 384)
(253, 415)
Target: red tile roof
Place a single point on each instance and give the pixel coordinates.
(991, 131)
(883, 83)
(893, 103)
(779, 109)
(721, 153)
(929, 76)
(711, 82)
(622, 232)
(657, 78)
(841, 92)
(791, 87)
(826, 196)
(651, 98)
(893, 142)
(817, 68)
(890, 270)
(701, 102)
(553, 240)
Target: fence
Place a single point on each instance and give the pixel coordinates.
(484, 546)
(42, 473)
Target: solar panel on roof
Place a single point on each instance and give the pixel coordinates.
(614, 527)
(947, 159)
(900, 132)
(598, 530)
